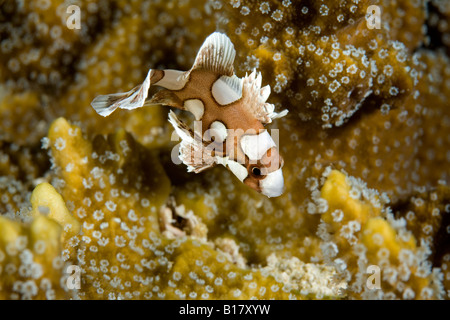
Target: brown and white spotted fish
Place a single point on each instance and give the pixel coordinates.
(232, 112)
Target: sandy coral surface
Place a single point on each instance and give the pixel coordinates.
(94, 208)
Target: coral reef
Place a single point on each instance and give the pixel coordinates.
(30, 253)
(324, 58)
(360, 232)
(366, 144)
(119, 208)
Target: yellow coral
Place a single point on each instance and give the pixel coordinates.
(30, 253)
(46, 201)
(323, 75)
(118, 210)
(360, 234)
(340, 196)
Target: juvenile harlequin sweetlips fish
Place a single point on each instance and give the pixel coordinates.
(232, 112)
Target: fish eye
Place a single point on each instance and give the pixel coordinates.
(256, 171)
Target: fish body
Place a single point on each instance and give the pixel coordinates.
(232, 112)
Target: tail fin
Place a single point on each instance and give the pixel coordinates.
(104, 105)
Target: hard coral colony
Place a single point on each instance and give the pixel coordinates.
(94, 208)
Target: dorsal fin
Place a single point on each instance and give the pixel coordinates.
(216, 54)
(254, 98)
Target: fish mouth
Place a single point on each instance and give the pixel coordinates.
(273, 184)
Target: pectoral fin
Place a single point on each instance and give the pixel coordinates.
(165, 97)
(193, 151)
